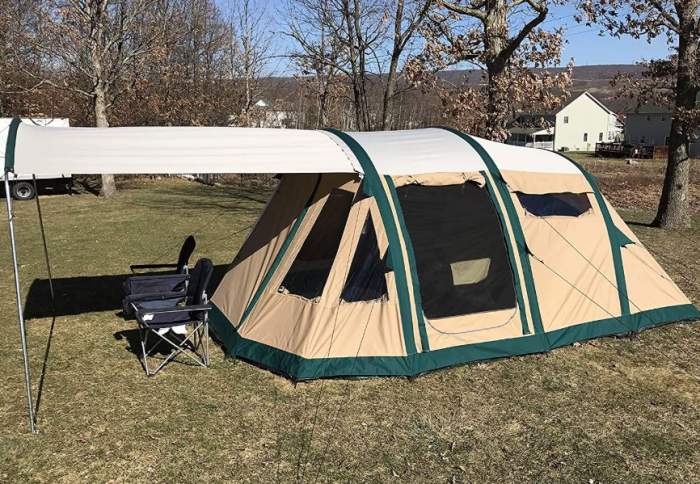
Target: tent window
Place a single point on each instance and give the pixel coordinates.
(461, 256)
(366, 281)
(550, 204)
(309, 272)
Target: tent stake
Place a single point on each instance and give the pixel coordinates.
(20, 314)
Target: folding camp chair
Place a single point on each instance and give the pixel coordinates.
(161, 314)
(166, 285)
(180, 267)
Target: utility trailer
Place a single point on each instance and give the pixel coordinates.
(623, 150)
(22, 186)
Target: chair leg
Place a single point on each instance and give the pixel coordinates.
(196, 338)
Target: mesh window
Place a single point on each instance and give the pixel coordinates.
(563, 204)
(310, 269)
(461, 257)
(366, 280)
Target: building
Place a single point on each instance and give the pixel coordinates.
(651, 126)
(578, 126)
(648, 125)
(584, 122)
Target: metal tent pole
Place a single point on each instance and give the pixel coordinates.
(20, 314)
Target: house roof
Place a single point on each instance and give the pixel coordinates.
(592, 98)
(651, 109)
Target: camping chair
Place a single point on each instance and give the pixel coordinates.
(160, 315)
(167, 285)
(180, 267)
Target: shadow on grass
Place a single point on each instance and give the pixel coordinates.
(86, 294)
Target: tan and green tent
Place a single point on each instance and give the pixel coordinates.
(445, 249)
(396, 253)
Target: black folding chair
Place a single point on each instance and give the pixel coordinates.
(166, 285)
(159, 315)
(180, 267)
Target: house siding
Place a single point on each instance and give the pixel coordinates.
(585, 115)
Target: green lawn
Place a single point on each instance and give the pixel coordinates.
(615, 409)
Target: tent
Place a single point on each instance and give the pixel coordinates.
(395, 253)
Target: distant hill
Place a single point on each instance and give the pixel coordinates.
(595, 79)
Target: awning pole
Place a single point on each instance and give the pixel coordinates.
(20, 314)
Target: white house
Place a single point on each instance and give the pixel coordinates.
(584, 122)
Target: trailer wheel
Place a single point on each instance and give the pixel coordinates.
(23, 190)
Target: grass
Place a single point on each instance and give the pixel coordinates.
(612, 410)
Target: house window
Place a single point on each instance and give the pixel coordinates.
(600, 136)
(585, 137)
(566, 120)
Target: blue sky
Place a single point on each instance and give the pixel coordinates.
(584, 44)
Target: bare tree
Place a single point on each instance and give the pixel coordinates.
(679, 22)
(250, 54)
(318, 53)
(408, 17)
(95, 43)
(484, 33)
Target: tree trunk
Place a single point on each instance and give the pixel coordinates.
(108, 187)
(674, 205)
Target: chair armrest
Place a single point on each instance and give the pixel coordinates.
(154, 296)
(178, 309)
(135, 267)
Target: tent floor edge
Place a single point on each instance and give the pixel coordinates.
(298, 368)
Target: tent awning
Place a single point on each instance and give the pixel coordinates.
(172, 150)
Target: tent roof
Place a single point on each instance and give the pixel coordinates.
(170, 150)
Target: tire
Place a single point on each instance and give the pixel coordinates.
(23, 190)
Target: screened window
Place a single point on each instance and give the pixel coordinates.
(366, 281)
(461, 257)
(564, 204)
(309, 272)
(585, 136)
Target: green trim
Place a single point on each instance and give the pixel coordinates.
(11, 144)
(373, 187)
(275, 264)
(425, 344)
(511, 256)
(299, 368)
(616, 242)
(514, 220)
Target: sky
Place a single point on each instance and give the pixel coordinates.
(584, 44)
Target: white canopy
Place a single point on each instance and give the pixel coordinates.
(171, 150)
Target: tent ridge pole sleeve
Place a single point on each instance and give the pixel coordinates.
(374, 187)
(615, 245)
(511, 254)
(10, 145)
(515, 224)
(425, 344)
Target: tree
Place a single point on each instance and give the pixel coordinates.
(97, 45)
(678, 21)
(408, 17)
(513, 58)
(249, 56)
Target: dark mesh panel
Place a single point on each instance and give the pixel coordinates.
(310, 269)
(563, 204)
(461, 257)
(366, 280)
